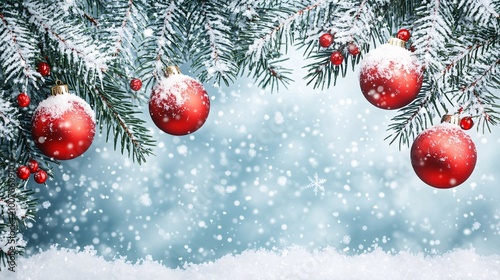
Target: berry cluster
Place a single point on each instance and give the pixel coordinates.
(337, 57)
(24, 172)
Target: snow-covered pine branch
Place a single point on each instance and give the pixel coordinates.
(9, 122)
(431, 32)
(69, 37)
(162, 41)
(119, 25)
(18, 49)
(348, 22)
(481, 11)
(215, 59)
(476, 96)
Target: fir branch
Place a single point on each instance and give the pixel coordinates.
(70, 37)
(257, 50)
(430, 33)
(481, 12)
(162, 46)
(17, 54)
(9, 122)
(121, 119)
(352, 26)
(476, 97)
(214, 40)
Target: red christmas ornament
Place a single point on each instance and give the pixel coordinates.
(23, 100)
(404, 34)
(443, 156)
(353, 49)
(23, 172)
(63, 125)
(40, 176)
(466, 123)
(43, 68)
(389, 77)
(336, 58)
(326, 40)
(135, 84)
(32, 165)
(179, 104)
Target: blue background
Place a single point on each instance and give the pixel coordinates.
(240, 183)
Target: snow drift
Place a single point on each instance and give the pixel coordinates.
(293, 263)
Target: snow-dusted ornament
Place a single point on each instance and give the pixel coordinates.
(444, 156)
(63, 125)
(179, 104)
(390, 77)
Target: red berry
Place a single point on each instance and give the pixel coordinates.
(336, 58)
(23, 172)
(326, 40)
(466, 123)
(23, 100)
(43, 68)
(135, 84)
(40, 176)
(353, 49)
(412, 48)
(33, 165)
(404, 34)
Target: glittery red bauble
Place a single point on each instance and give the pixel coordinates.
(179, 105)
(389, 77)
(63, 126)
(443, 156)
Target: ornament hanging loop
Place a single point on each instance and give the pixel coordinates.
(172, 70)
(453, 119)
(59, 88)
(397, 42)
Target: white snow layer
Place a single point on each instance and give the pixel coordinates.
(293, 263)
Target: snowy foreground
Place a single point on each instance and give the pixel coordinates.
(294, 263)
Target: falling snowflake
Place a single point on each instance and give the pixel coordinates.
(316, 184)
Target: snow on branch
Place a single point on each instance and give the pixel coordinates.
(477, 98)
(220, 45)
(121, 19)
(481, 11)
(353, 22)
(70, 37)
(430, 33)
(18, 51)
(8, 119)
(261, 46)
(166, 36)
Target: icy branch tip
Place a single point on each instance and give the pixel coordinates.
(59, 88)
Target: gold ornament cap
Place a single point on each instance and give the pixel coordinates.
(397, 42)
(172, 70)
(453, 119)
(59, 88)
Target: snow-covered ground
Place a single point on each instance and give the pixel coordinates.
(292, 263)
